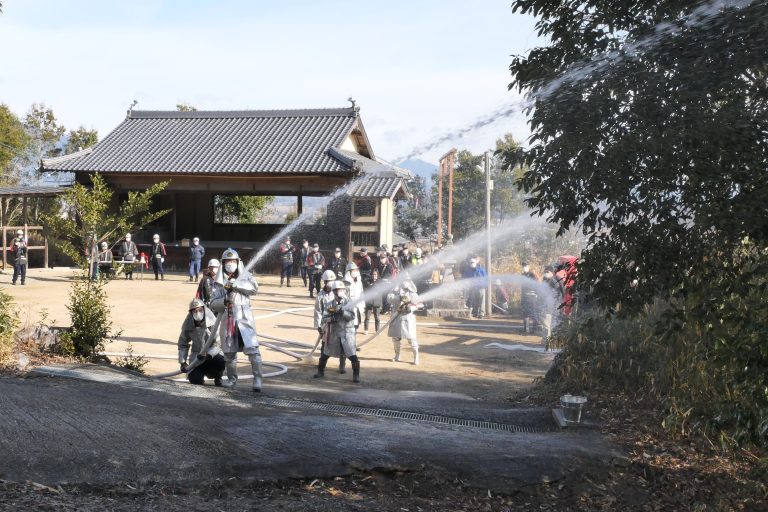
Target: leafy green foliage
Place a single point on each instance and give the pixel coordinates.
(41, 123)
(81, 139)
(185, 107)
(416, 217)
(13, 140)
(131, 361)
(659, 157)
(91, 327)
(229, 209)
(8, 324)
(92, 219)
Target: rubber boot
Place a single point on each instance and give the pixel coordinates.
(356, 371)
(342, 364)
(321, 368)
(396, 345)
(231, 369)
(255, 360)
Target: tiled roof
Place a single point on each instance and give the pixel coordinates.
(217, 142)
(32, 190)
(377, 179)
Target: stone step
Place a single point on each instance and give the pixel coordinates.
(448, 313)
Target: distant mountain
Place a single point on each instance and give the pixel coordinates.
(419, 168)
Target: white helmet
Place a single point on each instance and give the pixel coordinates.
(351, 266)
(328, 275)
(213, 262)
(418, 252)
(338, 285)
(230, 254)
(156, 237)
(196, 303)
(104, 245)
(20, 232)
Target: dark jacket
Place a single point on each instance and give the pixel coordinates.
(315, 260)
(338, 265)
(196, 252)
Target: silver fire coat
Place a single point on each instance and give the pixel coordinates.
(355, 292)
(240, 296)
(196, 337)
(321, 302)
(403, 325)
(339, 330)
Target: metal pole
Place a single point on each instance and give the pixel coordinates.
(449, 165)
(440, 202)
(488, 188)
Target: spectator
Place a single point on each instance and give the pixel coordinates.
(207, 289)
(196, 253)
(405, 258)
(476, 290)
(286, 256)
(105, 260)
(502, 297)
(316, 265)
(158, 256)
(128, 252)
(303, 255)
(529, 300)
(338, 263)
(19, 250)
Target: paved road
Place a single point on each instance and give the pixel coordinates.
(55, 430)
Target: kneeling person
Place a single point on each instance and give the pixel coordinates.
(340, 325)
(196, 331)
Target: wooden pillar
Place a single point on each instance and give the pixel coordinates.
(45, 251)
(5, 252)
(173, 217)
(24, 210)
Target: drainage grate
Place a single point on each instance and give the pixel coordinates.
(402, 415)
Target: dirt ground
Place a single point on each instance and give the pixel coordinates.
(149, 313)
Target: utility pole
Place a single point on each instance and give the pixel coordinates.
(440, 203)
(488, 188)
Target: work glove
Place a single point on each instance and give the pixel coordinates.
(184, 367)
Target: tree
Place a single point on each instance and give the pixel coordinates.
(185, 107)
(416, 217)
(648, 133)
(659, 156)
(90, 218)
(81, 139)
(42, 125)
(469, 179)
(229, 209)
(13, 142)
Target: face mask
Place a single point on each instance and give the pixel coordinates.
(355, 274)
(195, 243)
(526, 269)
(315, 249)
(230, 267)
(198, 315)
(340, 294)
(473, 265)
(338, 254)
(156, 240)
(127, 239)
(305, 245)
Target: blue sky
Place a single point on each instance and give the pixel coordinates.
(418, 69)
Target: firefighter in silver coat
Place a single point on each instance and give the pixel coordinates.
(324, 298)
(339, 328)
(237, 331)
(195, 333)
(405, 301)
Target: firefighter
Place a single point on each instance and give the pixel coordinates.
(316, 265)
(355, 291)
(158, 256)
(339, 329)
(238, 329)
(128, 253)
(206, 290)
(19, 250)
(403, 325)
(324, 298)
(196, 331)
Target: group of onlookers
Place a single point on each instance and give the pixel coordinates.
(129, 256)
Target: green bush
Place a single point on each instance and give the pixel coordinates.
(704, 357)
(132, 361)
(91, 327)
(8, 324)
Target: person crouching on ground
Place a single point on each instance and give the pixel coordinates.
(204, 361)
(405, 300)
(206, 290)
(340, 335)
(238, 327)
